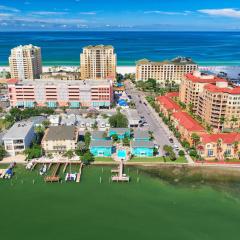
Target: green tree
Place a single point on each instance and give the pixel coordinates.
(69, 154)
(118, 120)
(2, 153)
(87, 139)
(39, 130)
(33, 152)
(80, 149)
(126, 141)
(181, 153)
(115, 137)
(46, 123)
(87, 157)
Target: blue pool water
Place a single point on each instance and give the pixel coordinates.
(122, 154)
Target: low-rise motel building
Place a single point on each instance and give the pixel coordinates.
(55, 93)
(59, 139)
(213, 99)
(172, 71)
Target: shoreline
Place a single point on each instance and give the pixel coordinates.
(234, 69)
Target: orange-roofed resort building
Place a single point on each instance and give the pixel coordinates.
(218, 105)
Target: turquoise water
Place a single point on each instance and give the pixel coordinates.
(63, 48)
(122, 154)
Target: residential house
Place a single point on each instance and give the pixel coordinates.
(101, 148)
(19, 137)
(141, 135)
(59, 139)
(142, 148)
(120, 132)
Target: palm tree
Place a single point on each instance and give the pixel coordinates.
(219, 148)
(222, 121)
(233, 121)
(235, 147)
(196, 139)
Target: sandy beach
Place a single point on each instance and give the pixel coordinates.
(232, 71)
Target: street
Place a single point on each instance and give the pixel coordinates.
(160, 131)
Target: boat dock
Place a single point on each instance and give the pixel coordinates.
(120, 177)
(79, 174)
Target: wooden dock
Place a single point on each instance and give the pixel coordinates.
(80, 173)
(53, 177)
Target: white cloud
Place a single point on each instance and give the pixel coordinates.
(5, 15)
(88, 13)
(10, 9)
(225, 12)
(167, 12)
(44, 13)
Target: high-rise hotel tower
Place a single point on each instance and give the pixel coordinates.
(25, 62)
(98, 62)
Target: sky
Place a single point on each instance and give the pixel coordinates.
(114, 15)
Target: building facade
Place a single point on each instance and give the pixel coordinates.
(19, 137)
(212, 99)
(219, 146)
(25, 62)
(73, 94)
(60, 139)
(98, 62)
(61, 75)
(166, 71)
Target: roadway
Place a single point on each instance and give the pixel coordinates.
(160, 131)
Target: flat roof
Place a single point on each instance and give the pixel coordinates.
(101, 143)
(143, 144)
(19, 130)
(82, 83)
(56, 133)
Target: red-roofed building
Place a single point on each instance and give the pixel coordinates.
(212, 99)
(186, 125)
(219, 146)
(167, 105)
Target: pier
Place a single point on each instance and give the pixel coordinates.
(120, 177)
(79, 173)
(53, 177)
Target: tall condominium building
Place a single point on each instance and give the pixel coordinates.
(173, 70)
(217, 103)
(25, 62)
(98, 62)
(193, 84)
(56, 93)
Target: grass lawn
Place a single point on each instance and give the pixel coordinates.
(103, 159)
(158, 159)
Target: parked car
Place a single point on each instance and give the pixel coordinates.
(170, 140)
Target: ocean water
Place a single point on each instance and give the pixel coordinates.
(63, 48)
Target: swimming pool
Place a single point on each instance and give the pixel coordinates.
(122, 154)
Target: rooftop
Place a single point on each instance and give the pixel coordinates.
(81, 83)
(19, 130)
(200, 77)
(101, 143)
(58, 133)
(99, 46)
(187, 121)
(228, 138)
(216, 89)
(168, 103)
(141, 134)
(142, 144)
(97, 134)
(119, 130)
(175, 61)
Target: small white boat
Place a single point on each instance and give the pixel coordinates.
(43, 170)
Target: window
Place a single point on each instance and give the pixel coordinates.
(210, 153)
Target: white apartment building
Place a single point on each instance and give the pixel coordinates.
(19, 137)
(25, 62)
(98, 62)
